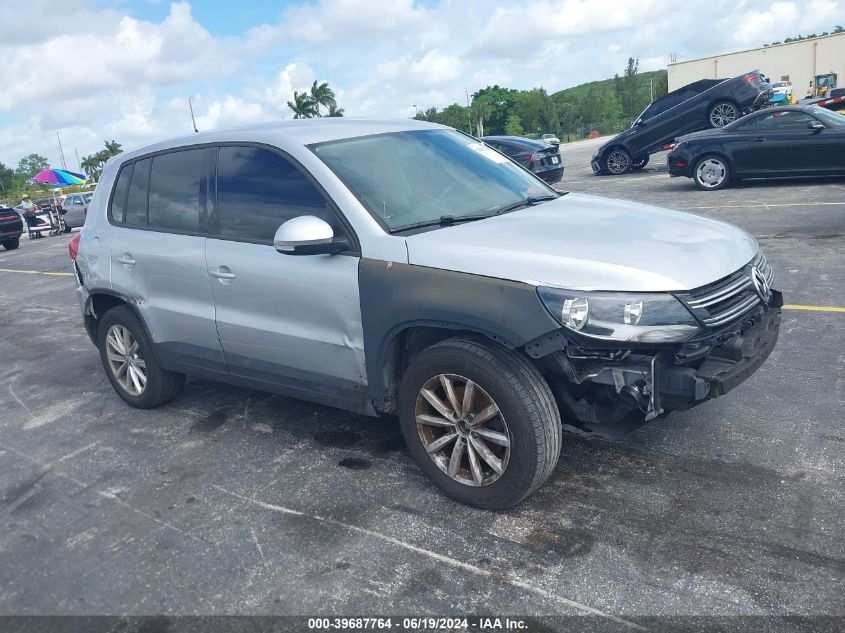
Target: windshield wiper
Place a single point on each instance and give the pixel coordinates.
(443, 220)
(530, 201)
(448, 220)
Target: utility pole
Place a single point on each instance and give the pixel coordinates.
(193, 120)
(651, 87)
(61, 151)
(78, 162)
(469, 113)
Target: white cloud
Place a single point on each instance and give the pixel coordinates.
(100, 73)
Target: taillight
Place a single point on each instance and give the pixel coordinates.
(750, 79)
(73, 246)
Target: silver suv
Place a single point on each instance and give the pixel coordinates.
(404, 267)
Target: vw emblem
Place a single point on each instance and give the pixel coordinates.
(760, 283)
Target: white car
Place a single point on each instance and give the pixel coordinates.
(782, 88)
(550, 138)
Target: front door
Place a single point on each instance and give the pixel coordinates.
(287, 323)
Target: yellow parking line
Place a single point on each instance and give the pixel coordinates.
(34, 272)
(767, 206)
(814, 308)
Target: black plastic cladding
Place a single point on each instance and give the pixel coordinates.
(395, 297)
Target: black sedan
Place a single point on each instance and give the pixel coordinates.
(708, 103)
(541, 158)
(787, 141)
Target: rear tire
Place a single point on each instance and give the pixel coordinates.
(12, 244)
(711, 172)
(129, 360)
(525, 413)
(617, 162)
(722, 114)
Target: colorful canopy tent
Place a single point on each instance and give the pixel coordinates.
(58, 178)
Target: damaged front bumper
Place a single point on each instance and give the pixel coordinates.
(611, 391)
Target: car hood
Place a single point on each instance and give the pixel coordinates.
(584, 242)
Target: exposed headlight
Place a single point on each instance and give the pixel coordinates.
(636, 317)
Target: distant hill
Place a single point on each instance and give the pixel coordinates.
(578, 92)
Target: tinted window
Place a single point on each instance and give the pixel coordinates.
(258, 189)
(789, 120)
(177, 190)
(136, 201)
(118, 202)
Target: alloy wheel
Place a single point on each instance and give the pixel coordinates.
(710, 173)
(618, 162)
(463, 430)
(722, 114)
(125, 360)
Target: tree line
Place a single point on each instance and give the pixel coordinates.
(604, 106)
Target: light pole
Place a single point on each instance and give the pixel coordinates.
(61, 151)
(193, 120)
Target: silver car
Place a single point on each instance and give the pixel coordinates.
(404, 267)
(74, 208)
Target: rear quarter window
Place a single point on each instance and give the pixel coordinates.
(178, 191)
(136, 200)
(117, 209)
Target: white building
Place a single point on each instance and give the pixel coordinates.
(798, 62)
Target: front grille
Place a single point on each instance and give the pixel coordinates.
(727, 300)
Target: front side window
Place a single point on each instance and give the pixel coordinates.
(257, 190)
(828, 117)
(406, 178)
(784, 120)
(178, 190)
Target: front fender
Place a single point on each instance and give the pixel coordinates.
(395, 297)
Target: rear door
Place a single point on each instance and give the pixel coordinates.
(287, 323)
(158, 256)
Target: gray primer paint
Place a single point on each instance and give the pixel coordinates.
(395, 297)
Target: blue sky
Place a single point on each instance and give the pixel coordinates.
(124, 70)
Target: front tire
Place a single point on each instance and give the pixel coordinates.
(722, 114)
(480, 421)
(129, 360)
(617, 162)
(12, 244)
(711, 173)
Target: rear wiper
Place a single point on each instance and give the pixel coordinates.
(443, 220)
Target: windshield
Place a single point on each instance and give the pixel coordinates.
(408, 178)
(828, 117)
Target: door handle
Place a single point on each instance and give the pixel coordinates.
(127, 259)
(222, 272)
(759, 139)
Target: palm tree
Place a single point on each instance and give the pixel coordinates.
(322, 95)
(335, 111)
(302, 105)
(91, 166)
(113, 148)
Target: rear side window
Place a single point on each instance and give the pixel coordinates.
(258, 189)
(117, 211)
(178, 191)
(136, 201)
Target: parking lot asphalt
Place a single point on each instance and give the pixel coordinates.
(230, 501)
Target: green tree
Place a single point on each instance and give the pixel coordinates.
(567, 116)
(7, 179)
(30, 165)
(321, 95)
(92, 166)
(494, 103)
(629, 88)
(334, 111)
(113, 148)
(513, 126)
(302, 105)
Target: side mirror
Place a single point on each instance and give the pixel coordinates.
(816, 126)
(640, 123)
(307, 235)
